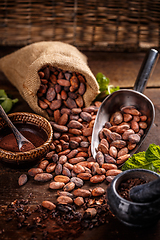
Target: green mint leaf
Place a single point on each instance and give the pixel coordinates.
(3, 93)
(153, 153)
(136, 161)
(156, 164)
(7, 105)
(111, 89)
(102, 81)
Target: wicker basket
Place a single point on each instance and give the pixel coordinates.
(90, 25)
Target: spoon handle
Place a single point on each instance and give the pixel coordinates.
(10, 124)
(146, 70)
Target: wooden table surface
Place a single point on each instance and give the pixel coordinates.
(127, 63)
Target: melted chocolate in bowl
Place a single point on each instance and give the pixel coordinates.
(32, 132)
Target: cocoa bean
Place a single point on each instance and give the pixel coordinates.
(105, 142)
(134, 138)
(86, 116)
(58, 169)
(115, 136)
(78, 169)
(110, 178)
(101, 171)
(78, 181)
(75, 124)
(81, 193)
(64, 193)
(43, 177)
(126, 134)
(122, 128)
(61, 178)
(55, 157)
(51, 167)
(131, 146)
(63, 119)
(100, 158)
(74, 83)
(49, 205)
(90, 212)
(122, 159)
(72, 154)
(63, 95)
(42, 104)
(76, 160)
(68, 165)
(127, 117)
(82, 88)
(95, 166)
(102, 148)
(65, 110)
(116, 118)
(84, 175)
(66, 172)
(43, 164)
(64, 200)
(108, 166)
(97, 179)
(84, 144)
(113, 172)
(70, 103)
(33, 171)
(143, 118)
(79, 201)
(56, 185)
(50, 94)
(87, 132)
(122, 151)
(98, 191)
(113, 152)
(118, 143)
(79, 101)
(59, 128)
(63, 82)
(131, 110)
(69, 186)
(55, 104)
(143, 125)
(62, 159)
(109, 159)
(22, 179)
(81, 154)
(135, 126)
(73, 144)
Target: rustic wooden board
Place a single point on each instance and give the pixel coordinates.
(9, 189)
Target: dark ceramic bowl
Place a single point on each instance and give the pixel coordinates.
(133, 213)
(33, 123)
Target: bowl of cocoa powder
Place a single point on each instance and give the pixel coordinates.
(35, 128)
(132, 213)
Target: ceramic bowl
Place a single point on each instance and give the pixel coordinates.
(133, 213)
(36, 124)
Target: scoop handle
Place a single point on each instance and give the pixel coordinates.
(146, 69)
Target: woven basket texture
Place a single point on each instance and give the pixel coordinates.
(116, 25)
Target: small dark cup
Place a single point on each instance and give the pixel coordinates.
(133, 213)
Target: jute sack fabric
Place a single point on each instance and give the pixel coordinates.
(21, 68)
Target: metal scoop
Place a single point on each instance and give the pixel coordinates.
(115, 101)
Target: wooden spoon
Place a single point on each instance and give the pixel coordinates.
(23, 143)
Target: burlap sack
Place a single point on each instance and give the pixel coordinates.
(21, 69)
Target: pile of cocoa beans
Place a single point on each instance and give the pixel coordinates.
(69, 163)
(60, 89)
(120, 135)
